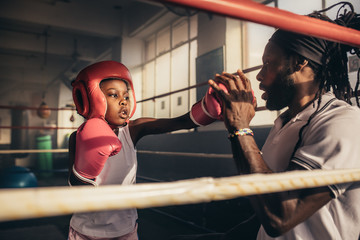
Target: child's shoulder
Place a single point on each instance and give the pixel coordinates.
(139, 128)
(139, 122)
(135, 124)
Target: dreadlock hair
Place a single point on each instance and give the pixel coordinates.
(332, 74)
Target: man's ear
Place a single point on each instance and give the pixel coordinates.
(300, 66)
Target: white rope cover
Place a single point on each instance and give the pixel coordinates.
(42, 202)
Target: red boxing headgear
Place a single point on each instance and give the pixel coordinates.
(89, 99)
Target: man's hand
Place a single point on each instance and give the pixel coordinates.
(239, 103)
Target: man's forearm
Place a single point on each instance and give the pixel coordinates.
(247, 155)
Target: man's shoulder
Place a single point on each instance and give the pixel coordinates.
(342, 109)
(337, 115)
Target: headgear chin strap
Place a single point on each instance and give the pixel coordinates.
(309, 47)
(89, 100)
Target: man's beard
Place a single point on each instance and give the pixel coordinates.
(281, 92)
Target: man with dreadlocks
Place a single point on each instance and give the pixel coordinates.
(319, 130)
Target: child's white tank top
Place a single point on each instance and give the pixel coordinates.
(118, 169)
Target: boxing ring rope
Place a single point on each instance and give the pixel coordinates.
(36, 108)
(195, 86)
(184, 154)
(64, 150)
(141, 101)
(258, 13)
(181, 154)
(43, 202)
(37, 127)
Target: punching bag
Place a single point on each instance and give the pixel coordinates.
(19, 136)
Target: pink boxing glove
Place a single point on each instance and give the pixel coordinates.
(208, 109)
(95, 143)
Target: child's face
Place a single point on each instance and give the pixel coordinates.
(118, 103)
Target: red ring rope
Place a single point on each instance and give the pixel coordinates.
(270, 16)
(35, 108)
(194, 86)
(35, 127)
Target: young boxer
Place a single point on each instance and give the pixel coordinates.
(102, 150)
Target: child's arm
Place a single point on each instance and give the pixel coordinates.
(147, 126)
(202, 113)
